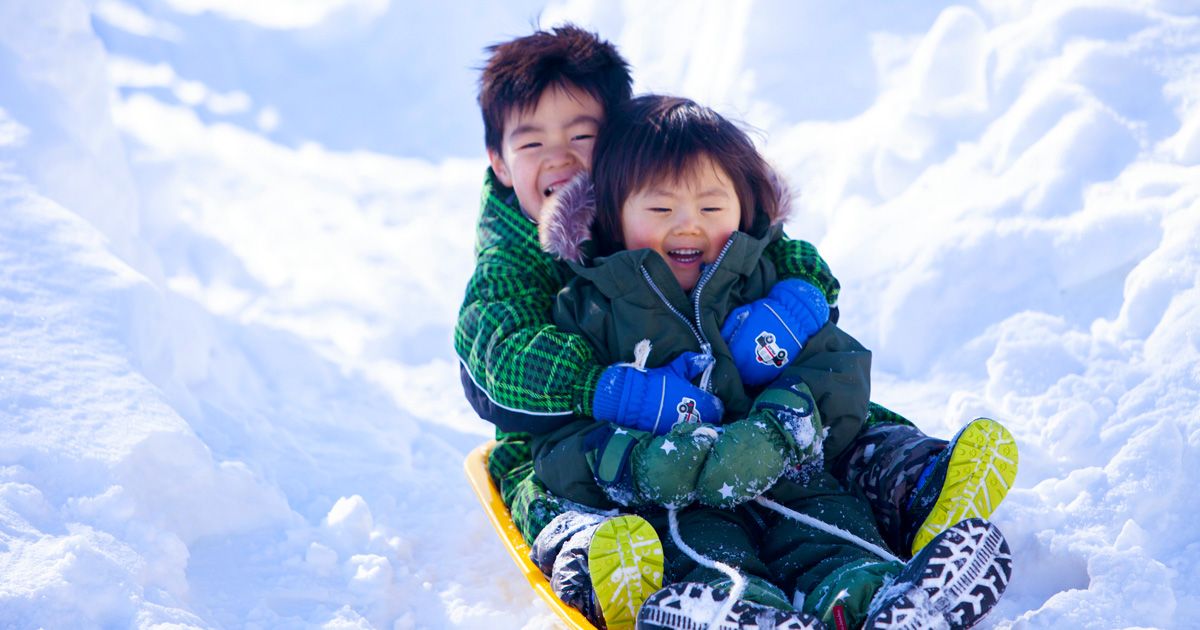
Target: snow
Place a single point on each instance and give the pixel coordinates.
(234, 237)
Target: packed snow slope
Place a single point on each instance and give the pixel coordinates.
(234, 237)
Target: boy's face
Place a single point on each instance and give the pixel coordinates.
(546, 146)
(687, 221)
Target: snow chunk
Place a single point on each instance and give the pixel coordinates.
(350, 523)
(372, 573)
(173, 480)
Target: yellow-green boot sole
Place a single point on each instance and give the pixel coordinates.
(626, 563)
(981, 467)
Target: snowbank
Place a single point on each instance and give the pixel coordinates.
(227, 394)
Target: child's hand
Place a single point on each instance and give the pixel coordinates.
(781, 436)
(748, 458)
(766, 334)
(665, 468)
(655, 400)
(788, 404)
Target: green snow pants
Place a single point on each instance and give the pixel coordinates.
(825, 569)
(781, 556)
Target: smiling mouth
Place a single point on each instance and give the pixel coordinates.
(555, 187)
(685, 256)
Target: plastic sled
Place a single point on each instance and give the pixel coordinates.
(493, 506)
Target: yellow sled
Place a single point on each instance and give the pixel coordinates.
(493, 506)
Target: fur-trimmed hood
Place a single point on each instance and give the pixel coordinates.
(566, 222)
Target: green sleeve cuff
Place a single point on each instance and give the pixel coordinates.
(795, 258)
(585, 391)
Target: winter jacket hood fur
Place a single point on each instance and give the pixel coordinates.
(566, 224)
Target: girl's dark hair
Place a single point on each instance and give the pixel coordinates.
(655, 138)
(518, 71)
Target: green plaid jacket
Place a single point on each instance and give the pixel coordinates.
(518, 370)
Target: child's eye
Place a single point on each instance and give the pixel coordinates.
(584, 136)
(712, 209)
(659, 209)
(529, 145)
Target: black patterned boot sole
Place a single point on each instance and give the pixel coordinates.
(953, 582)
(691, 606)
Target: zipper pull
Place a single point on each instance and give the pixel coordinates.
(706, 377)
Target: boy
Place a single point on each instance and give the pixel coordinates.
(543, 98)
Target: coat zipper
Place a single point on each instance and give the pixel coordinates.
(694, 325)
(704, 345)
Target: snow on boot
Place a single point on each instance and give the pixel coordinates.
(549, 542)
(626, 561)
(571, 578)
(952, 583)
(967, 480)
(692, 606)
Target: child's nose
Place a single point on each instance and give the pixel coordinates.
(687, 221)
(561, 156)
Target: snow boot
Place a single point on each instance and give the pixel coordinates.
(952, 583)
(692, 606)
(553, 538)
(571, 578)
(966, 480)
(626, 561)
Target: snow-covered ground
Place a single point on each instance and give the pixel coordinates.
(234, 237)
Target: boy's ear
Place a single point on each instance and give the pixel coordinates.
(500, 168)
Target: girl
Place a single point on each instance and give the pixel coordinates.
(667, 250)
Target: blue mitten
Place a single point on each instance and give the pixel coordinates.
(655, 400)
(766, 334)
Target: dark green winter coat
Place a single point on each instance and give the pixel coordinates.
(617, 301)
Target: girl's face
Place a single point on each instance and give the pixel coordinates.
(686, 221)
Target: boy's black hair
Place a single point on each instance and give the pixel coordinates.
(655, 138)
(518, 71)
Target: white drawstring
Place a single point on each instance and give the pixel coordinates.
(739, 582)
(827, 528)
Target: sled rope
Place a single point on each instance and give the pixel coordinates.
(833, 530)
(739, 582)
